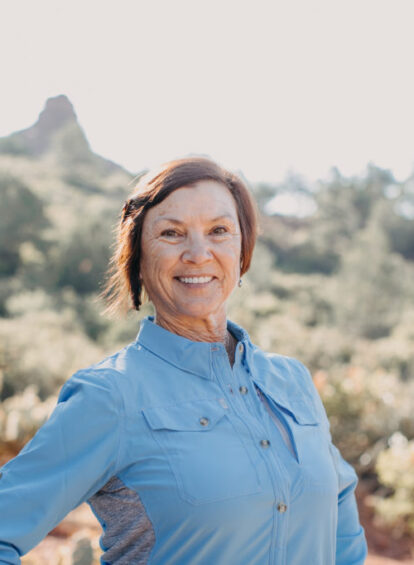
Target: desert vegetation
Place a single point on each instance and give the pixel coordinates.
(333, 287)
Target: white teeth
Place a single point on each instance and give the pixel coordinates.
(196, 280)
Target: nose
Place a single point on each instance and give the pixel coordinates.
(197, 250)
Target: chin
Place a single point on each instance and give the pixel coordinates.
(197, 312)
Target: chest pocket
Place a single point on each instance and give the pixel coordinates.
(310, 439)
(209, 460)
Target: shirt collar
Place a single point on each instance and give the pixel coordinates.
(192, 356)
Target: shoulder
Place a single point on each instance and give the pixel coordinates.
(288, 367)
(296, 369)
(90, 392)
(292, 378)
(118, 363)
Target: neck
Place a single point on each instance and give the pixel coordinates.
(210, 330)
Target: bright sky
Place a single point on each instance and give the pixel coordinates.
(265, 87)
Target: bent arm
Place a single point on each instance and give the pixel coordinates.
(351, 545)
(71, 456)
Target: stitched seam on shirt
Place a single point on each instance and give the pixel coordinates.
(121, 416)
(121, 411)
(65, 480)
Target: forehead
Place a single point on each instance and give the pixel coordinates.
(205, 200)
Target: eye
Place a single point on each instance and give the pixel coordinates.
(220, 230)
(169, 233)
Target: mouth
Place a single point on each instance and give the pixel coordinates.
(198, 282)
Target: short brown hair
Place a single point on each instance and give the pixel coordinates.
(124, 282)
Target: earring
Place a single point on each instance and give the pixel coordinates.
(240, 282)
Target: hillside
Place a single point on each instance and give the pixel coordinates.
(54, 159)
(333, 288)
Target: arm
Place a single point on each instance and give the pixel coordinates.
(70, 458)
(351, 545)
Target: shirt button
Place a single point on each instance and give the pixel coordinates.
(204, 421)
(241, 348)
(264, 442)
(243, 390)
(281, 507)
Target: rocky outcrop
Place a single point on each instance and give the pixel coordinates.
(57, 132)
(37, 139)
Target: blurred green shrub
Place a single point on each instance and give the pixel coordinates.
(375, 285)
(364, 409)
(42, 347)
(395, 468)
(22, 415)
(22, 219)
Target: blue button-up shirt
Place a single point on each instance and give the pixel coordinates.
(186, 460)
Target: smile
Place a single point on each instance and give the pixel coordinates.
(195, 280)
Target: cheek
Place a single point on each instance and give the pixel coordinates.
(157, 261)
(233, 255)
(231, 260)
(148, 264)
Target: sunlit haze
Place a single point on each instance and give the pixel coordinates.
(265, 87)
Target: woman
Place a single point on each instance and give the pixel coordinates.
(191, 445)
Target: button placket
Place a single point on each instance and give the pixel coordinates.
(264, 442)
(257, 425)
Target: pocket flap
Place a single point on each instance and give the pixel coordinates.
(301, 410)
(192, 416)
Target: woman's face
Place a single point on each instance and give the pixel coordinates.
(193, 233)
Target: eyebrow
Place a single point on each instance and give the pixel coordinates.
(178, 222)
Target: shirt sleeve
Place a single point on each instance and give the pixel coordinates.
(70, 458)
(351, 545)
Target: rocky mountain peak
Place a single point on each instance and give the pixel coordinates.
(58, 133)
(57, 112)
(37, 139)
